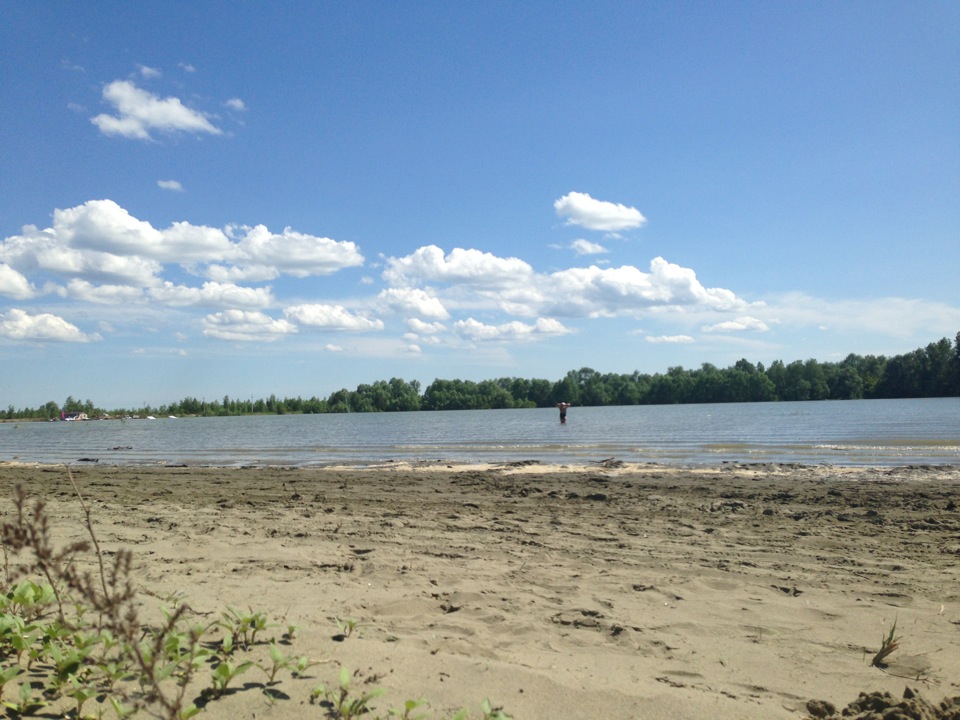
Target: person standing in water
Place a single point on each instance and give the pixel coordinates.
(563, 411)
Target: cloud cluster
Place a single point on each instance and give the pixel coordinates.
(470, 279)
(101, 243)
(100, 254)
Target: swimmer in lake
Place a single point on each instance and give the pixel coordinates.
(563, 411)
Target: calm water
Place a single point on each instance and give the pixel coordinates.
(862, 432)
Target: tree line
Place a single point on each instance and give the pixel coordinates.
(933, 371)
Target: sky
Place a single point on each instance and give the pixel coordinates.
(290, 198)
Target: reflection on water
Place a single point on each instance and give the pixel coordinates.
(863, 432)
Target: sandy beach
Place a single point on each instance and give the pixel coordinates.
(604, 591)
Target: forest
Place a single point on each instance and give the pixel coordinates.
(933, 371)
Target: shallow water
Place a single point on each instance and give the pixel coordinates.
(860, 432)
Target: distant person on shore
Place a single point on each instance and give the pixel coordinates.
(563, 411)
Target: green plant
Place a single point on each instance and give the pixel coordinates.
(278, 661)
(225, 672)
(346, 627)
(408, 707)
(7, 674)
(342, 701)
(889, 643)
(243, 627)
(28, 701)
(492, 713)
(80, 692)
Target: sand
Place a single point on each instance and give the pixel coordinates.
(617, 591)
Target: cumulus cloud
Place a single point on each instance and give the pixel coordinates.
(101, 242)
(246, 326)
(173, 185)
(47, 251)
(472, 329)
(236, 104)
(414, 301)
(294, 253)
(17, 324)
(740, 324)
(581, 209)
(467, 279)
(585, 247)
(13, 284)
(139, 112)
(211, 294)
(627, 290)
(149, 72)
(331, 317)
(675, 339)
(101, 294)
(460, 266)
(420, 327)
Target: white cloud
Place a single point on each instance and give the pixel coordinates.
(585, 247)
(187, 67)
(470, 279)
(333, 348)
(887, 316)
(581, 209)
(101, 294)
(185, 244)
(101, 242)
(674, 339)
(516, 330)
(47, 251)
(139, 112)
(295, 253)
(420, 327)
(149, 72)
(104, 226)
(465, 267)
(236, 104)
(741, 323)
(212, 294)
(414, 301)
(246, 325)
(16, 324)
(627, 290)
(331, 317)
(13, 284)
(173, 185)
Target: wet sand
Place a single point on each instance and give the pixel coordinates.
(639, 591)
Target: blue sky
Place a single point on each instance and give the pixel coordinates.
(251, 198)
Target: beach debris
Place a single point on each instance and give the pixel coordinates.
(609, 463)
(791, 591)
(821, 708)
(89, 460)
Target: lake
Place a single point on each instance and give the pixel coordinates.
(856, 432)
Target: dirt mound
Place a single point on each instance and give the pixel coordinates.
(883, 706)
